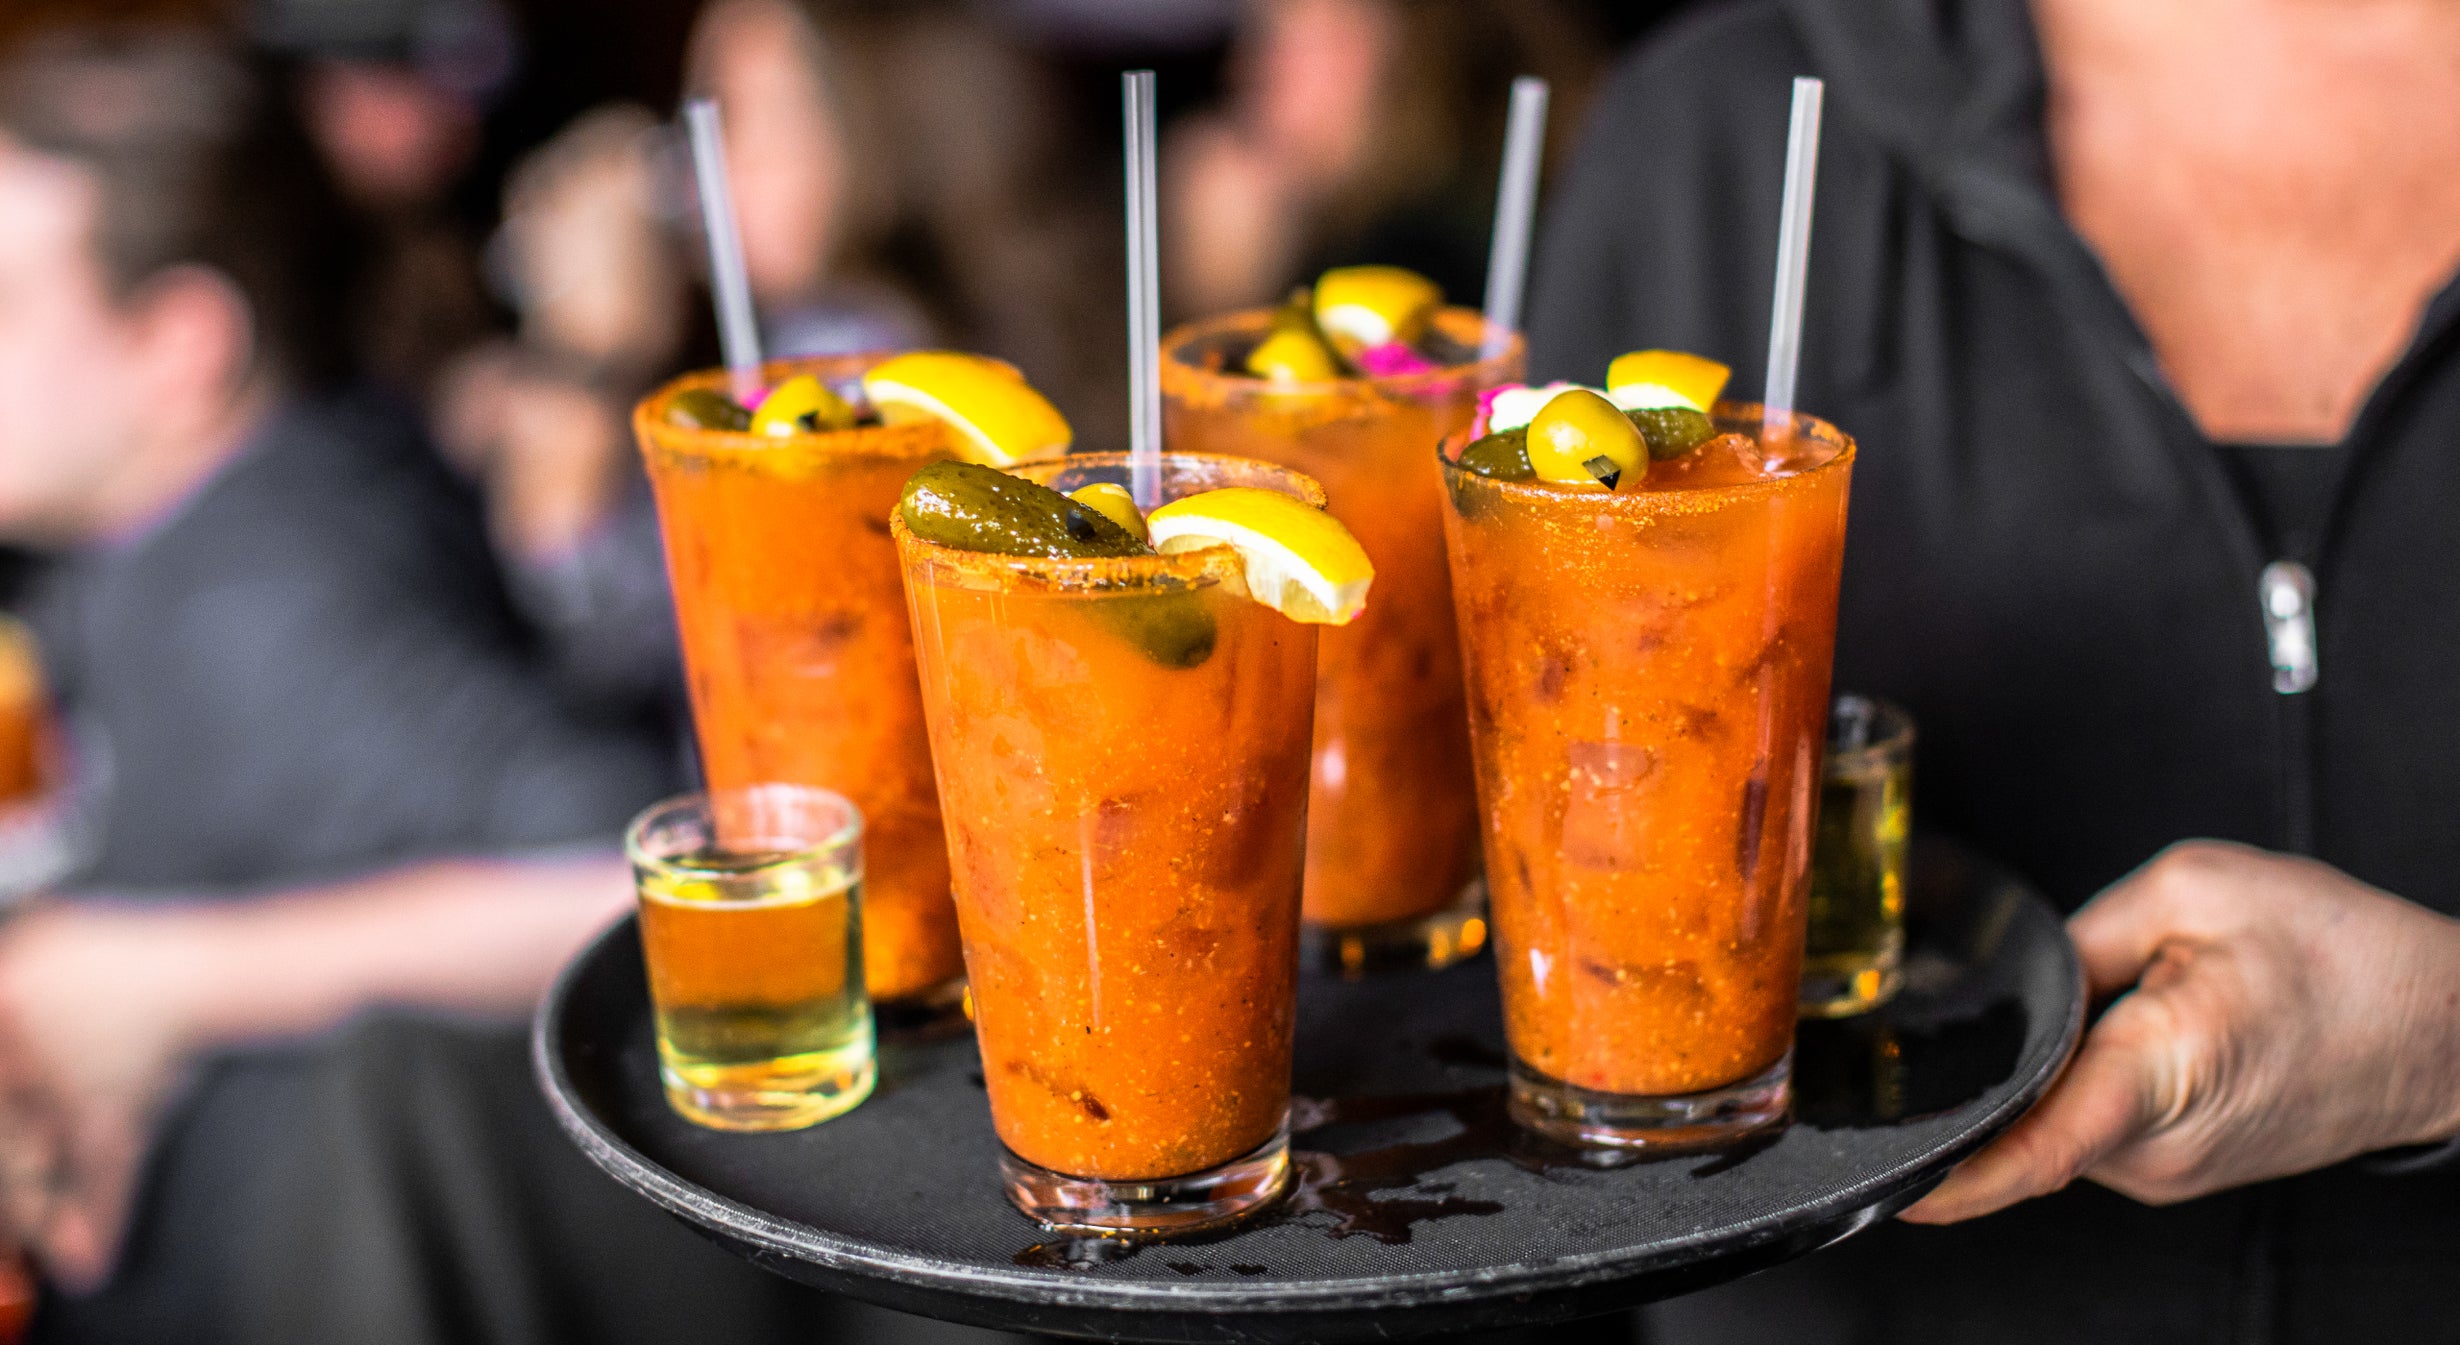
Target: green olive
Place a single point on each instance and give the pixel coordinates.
(1294, 355)
(802, 405)
(1581, 439)
(1294, 349)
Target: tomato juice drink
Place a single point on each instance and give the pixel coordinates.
(797, 650)
(1392, 850)
(1647, 673)
(1122, 747)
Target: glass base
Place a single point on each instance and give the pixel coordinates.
(1840, 985)
(1569, 1114)
(1164, 1205)
(785, 1094)
(1422, 943)
(927, 1015)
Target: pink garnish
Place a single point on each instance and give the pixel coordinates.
(1391, 358)
(1486, 407)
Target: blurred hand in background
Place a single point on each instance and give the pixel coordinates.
(103, 1008)
(540, 419)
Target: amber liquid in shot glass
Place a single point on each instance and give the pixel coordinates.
(25, 713)
(1648, 681)
(38, 838)
(798, 653)
(1392, 849)
(1122, 752)
(1854, 958)
(751, 931)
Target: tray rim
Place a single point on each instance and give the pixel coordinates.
(1846, 1211)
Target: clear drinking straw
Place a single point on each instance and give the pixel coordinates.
(1144, 295)
(738, 331)
(1507, 262)
(1793, 258)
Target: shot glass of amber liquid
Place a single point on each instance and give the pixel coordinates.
(798, 654)
(1392, 839)
(1122, 755)
(1647, 673)
(37, 844)
(1852, 960)
(752, 930)
(24, 715)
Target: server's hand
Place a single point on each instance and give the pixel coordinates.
(2277, 1016)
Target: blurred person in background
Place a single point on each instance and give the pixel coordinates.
(229, 1107)
(540, 419)
(899, 182)
(393, 92)
(814, 190)
(2147, 318)
(1360, 131)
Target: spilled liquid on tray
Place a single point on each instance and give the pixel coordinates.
(1357, 1178)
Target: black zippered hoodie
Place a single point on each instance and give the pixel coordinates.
(2049, 565)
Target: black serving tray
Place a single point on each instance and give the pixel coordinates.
(1420, 1209)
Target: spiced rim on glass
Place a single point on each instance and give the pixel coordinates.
(1648, 676)
(790, 607)
(1350, 382)
(1122, 741)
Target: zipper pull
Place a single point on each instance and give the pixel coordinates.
(2287, 590)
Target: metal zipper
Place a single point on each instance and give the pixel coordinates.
(2286, 593)
(2287, 590)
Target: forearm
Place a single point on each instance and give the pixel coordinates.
(476, 935)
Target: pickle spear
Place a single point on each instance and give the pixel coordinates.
(1672, 431)
(706, 409)
(976, 508)
(1503, 455)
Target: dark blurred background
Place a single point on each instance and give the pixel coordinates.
(961, 158)
(911, 172)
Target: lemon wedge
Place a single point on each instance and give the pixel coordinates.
(1647, 380)
(1300, 561)
(1360, 307)
(996, 415)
